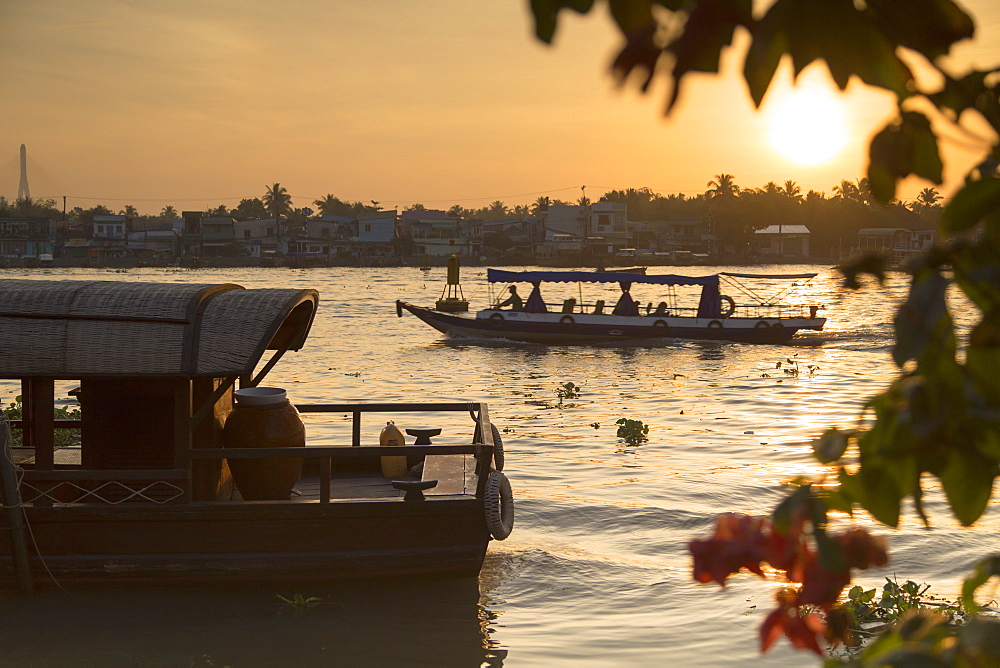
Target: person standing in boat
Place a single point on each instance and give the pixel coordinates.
(514, 301)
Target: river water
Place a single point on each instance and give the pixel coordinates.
(596, 571)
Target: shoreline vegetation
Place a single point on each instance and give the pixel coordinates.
(291, 262)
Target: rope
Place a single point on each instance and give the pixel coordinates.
(19, 471)
(749, 292)
(9, 461)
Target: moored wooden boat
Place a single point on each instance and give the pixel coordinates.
(712, 315)
(147, 496)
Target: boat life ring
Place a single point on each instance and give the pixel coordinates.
(567, 320)
(497, 448)
(726, 312)
(498, 505)
(762, 325)
(496, 320)
(715, 324)
(660, 327)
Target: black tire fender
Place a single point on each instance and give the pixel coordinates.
(498, 457)
(498, 505)
(567, 320)
(496, 320)
(715, 324)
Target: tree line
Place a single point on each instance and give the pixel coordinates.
(733, 211)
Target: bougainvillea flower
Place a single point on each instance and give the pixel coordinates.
(861, 549)
(739, 542)
(803, 631)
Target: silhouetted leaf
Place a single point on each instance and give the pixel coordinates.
(923, 319)
(968, 483)
(640, 52)
(927, 26)
(905, 147)
(837, 32)
(982, 358)
(631, 15)
(831, 445)
(872, 264)
(971, 204)
(977, 271)
(546, 13)
(969, 92)
(875, 491)
(708, 29)
(985, 569)
(762, 60)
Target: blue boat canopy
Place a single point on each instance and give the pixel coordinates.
(503, 276)
(778, 276)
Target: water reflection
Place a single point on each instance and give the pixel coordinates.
(711, 351)
(439, 623)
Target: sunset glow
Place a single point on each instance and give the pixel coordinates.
(807, 123)
(374, 102)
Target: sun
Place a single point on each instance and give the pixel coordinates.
(807, 123)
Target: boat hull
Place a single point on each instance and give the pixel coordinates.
(258, 541)
(560, 328)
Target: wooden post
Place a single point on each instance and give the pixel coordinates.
(39, 426)
(15, 515)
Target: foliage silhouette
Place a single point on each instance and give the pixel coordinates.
(940, 417)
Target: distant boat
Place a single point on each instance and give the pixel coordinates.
(714, 316)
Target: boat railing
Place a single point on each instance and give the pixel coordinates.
(772, 311)
(71, 484)
(754, 311)
(325, 454)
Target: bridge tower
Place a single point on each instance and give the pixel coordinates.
(22, 188)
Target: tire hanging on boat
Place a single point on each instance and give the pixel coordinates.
(660, 327)
(715, 324)
(498, 458)
(498, 505)
(567, 320)
(496, 321)
(762, 325)
(726, 299)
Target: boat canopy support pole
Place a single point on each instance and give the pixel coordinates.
(15, 513)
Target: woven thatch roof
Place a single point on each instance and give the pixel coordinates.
(80, 329)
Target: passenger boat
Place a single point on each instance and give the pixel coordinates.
(709, 314)
(152, 492)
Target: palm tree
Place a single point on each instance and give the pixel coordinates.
(791, 190)
(770, 188)
(846, 190)
(277, 201)
(724, 185)
(928, 197)
(541, 204)
(129, 211)
(329, 205)
(168, 213)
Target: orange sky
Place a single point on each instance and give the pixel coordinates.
(441, 102)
